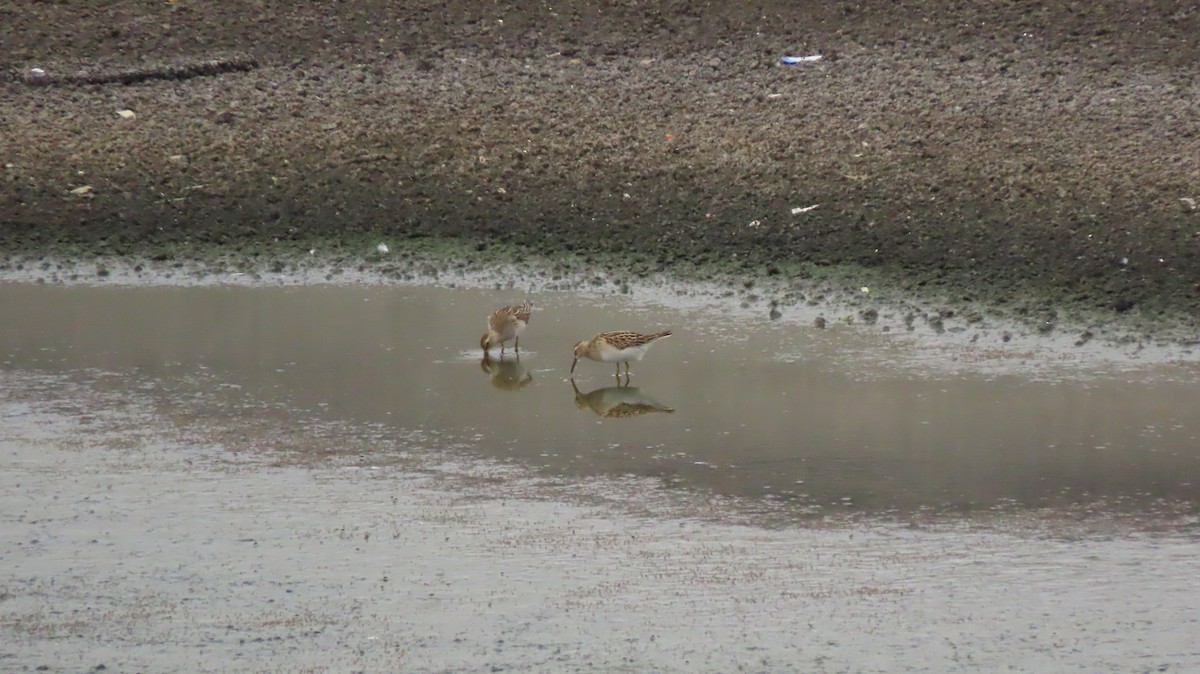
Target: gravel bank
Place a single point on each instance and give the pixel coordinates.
(1026, 159)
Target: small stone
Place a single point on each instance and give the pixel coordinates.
(819, 323)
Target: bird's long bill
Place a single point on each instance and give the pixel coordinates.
(574, 363)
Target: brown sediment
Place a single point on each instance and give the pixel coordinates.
(1033, 158)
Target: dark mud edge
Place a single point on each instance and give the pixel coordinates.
(1022, 161)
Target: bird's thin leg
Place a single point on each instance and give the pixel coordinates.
(517, 346)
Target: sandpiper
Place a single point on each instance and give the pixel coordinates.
(616, 347)
(504, 324)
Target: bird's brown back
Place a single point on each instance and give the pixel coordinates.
(509, 315)
(623, 339)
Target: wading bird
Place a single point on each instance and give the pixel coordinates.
(504, 324)
(616, 347)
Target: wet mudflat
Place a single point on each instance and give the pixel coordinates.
(277, 478)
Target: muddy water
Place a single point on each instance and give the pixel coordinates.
(810, 422)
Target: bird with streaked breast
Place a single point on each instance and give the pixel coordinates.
(506, 323)
(616, 347)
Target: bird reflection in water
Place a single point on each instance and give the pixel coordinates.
(509, 375)
(618, 401)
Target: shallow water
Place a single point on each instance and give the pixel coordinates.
(234, 479)
(810, 422)
(131, 542)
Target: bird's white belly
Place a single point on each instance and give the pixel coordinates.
(611, 355)
(512, 330)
